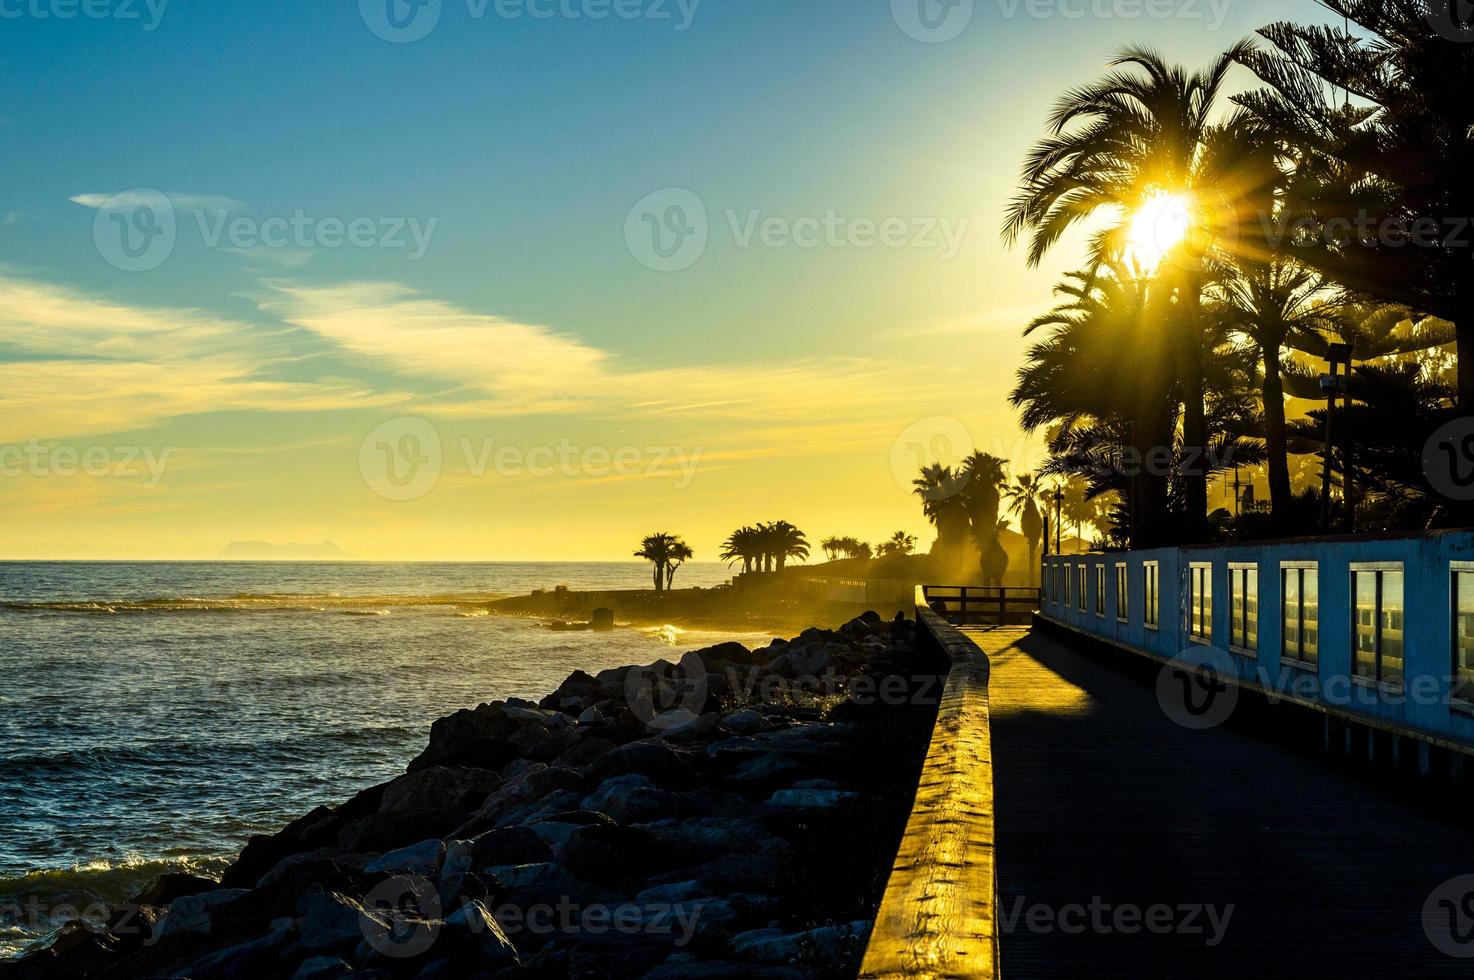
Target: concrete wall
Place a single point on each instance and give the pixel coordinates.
(1419, 706)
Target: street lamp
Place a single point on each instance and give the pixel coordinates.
(1334, 384)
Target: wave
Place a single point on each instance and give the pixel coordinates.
(362, 605)
(34, 904)
(192, 754)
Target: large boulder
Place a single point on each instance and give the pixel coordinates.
(512, 845)
(476, 738)
(440, 788)
(650, 758)
(423, 858)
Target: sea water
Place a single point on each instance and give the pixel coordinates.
(154, 715)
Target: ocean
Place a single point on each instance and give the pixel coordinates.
(154, 715)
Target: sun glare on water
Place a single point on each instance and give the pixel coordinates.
(1158, 226)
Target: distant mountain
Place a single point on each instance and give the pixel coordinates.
(266, 551)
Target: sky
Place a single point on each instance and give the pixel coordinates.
(519, 279)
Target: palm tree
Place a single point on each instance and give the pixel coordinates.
(680, 553)
(1141, 135)
(666, 552)
(833, 547)
(944, 502)
(743, 545)
(1279, 305)
(899, 543)
(995, 559)
(1400, 153)
(1026, 499)
(784, 541)
(987, 475)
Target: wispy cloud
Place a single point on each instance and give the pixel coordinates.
(180, 199)
(507, 368)
(95, 366)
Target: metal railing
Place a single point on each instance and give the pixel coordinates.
(983, 605)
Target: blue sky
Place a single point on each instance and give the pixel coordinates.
(526, 142)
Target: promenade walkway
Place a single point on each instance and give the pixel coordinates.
(1128, 846)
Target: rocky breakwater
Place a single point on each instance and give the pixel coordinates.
(731, 815)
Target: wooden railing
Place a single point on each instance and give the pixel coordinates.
(938, 917)
(978, 605)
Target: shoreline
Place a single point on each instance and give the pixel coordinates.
(619, 793)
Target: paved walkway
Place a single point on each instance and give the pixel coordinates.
(1110, 817)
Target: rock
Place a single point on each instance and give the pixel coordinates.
(473, 930)
(519, 766)
(653, 759)
(827, 944)
(586, 751)
(440, 788)
(632, 798)
(193, 913)
(602, 619)
(423, 858)
(805, 660)
(398, 828)
(459, 860)
(554, 743)
(745, 722)
(605, 855)
(703, 728)
(330, 921)
(590, 716)
(246, 961)
(694, 969)
(549, 719)
(514, 845)
(812, 799)
(165, 888)
(322, 968)
(680, 891)
(290, 865)
(477, 738)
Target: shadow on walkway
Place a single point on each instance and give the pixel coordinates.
(1131, 847)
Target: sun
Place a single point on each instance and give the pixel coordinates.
(1159, 226)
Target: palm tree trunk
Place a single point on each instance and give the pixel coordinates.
(1276, 443)
(659, 577)
(1194, 417)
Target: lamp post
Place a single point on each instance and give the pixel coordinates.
(1333, 383)
(1059, 499)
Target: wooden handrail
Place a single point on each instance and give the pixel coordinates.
(938, 917)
